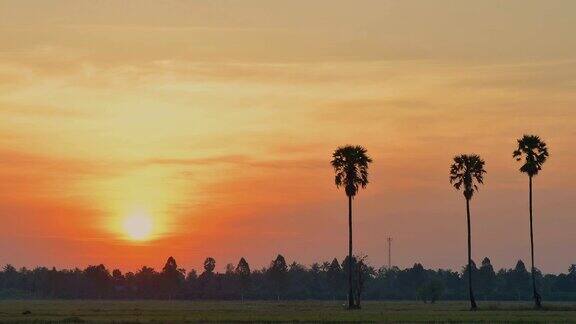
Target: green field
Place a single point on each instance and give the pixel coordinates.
(303, 311)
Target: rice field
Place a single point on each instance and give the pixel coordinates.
(78, 311)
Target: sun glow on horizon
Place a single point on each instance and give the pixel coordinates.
(138, 226)
(140, 205)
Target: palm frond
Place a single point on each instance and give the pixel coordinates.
(467, 171)
(533, 151)
(350, 165)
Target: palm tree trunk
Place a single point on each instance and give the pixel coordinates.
(537, 298)
(350, 295)
(473, 305)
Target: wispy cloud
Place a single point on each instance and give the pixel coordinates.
(43, 111)
(556, 76)
(240, 160)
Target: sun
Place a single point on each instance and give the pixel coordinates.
(138, 226)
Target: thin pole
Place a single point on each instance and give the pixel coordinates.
(472, 300)
(537, 300)
(350, 296)
(389, 253)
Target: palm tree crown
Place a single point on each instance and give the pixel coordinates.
(533, 151)
(467, 171)
(351, 166)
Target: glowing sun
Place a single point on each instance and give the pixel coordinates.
(138, 226)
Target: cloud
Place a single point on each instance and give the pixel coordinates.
(239, 160)
(29, 175)
(551, 76)
(43, 111)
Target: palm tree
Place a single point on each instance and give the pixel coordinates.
(534, 152)
(351, 167)
(467, 172)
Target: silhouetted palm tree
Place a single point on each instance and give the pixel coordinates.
(534, 152)
(351, 167)
(466, 172)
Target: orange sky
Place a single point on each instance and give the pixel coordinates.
(216, 121)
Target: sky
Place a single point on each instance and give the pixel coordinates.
(131, 131)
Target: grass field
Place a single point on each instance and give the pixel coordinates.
(265, 311)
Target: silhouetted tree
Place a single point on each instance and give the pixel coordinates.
(431, 291)
(412, 278)
(470, 268)
(118, 281)
(209, 265)
(519, 279)
(335, 275)
(533, 152)
(298, 282)
(130, 283)
(362, 274)
(486, 278)
(243, 273)
(191, 285)
(192, 275)
(348, 265)
(99, 278)
(316, 279)
(570, 283)
(147, 282)
(208, 280)
(350, 164)
(117, 275)
(278, 273)
(467, 172)
(171, 277)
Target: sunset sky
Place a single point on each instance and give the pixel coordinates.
(131, 131)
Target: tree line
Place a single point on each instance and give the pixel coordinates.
(351, 162)
(283, 281)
